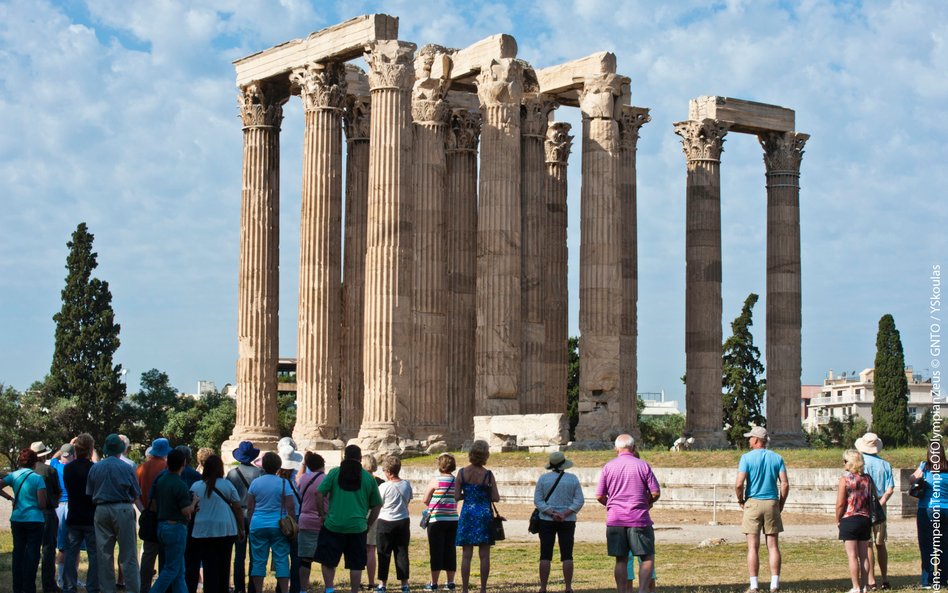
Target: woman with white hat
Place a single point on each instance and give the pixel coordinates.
(292, 460)
(558, 497)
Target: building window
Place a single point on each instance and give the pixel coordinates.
(913, 412)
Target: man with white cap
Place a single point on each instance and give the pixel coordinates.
(762, 488)
(51, 523)
(880, 471)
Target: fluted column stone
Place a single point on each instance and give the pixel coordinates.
(356, 125)
(535, 111)
(461, 247)
(556, 321)
(323, 92)
(631, 119)
(427, 402)
(783, 153)
(388, 259)
(261, 111)
(603, 412)
(703, 142)
(499, 323)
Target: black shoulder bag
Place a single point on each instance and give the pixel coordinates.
(534, 526)
(148, 520)
(496, 521)
(876, 510)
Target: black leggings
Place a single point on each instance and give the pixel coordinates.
(441, 549)
(393, 538)
(214, 554)
(562, 530)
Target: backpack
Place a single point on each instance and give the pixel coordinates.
(53, 490)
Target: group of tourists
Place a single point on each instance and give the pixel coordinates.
(283, 511)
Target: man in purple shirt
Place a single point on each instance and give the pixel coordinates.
(628, 489)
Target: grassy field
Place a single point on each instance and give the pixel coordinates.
(817, 567)
(908, 457)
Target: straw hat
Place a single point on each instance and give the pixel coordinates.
(869, 443)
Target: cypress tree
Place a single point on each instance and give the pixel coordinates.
(743, 391)
(87, 337)
(890, 417)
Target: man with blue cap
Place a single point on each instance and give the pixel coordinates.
(241, 477)
(147, 474)
(114, 489)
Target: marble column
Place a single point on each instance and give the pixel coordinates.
(703, 142)
(261, 111)
(388, 259)
(534, 396)
(323, 91)
(461, 250)
(356, 125)
(428, 408)
(556, 321)
(782, 155)
(603, 413)
(631, 119)
(499, 323)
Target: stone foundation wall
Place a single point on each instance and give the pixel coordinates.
(811, 490)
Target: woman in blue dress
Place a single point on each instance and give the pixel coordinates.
(477, 487)
(934, 497)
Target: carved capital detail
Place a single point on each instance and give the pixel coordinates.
(783, 151)
(558, 142)
(390, 65)
(357, 118)
(425, 111)
(500, 83)
(535, 115)
(702, 140)
(597, 98)
(261, 106)
(465, 131)
(631, 119)
(322, 86)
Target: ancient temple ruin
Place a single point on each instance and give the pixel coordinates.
(443, 294)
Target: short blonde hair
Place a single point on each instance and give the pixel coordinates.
(369, 463)
(853, 461)
(392, 464)
(447, 463)
(479, 453)
(203, 453)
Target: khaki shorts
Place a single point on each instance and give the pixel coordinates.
(879, 534)
(761, 515)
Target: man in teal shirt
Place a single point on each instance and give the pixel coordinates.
(762, 488)
(880, 471)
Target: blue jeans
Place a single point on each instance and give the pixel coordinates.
(75, 537)
(27, 541)
(173, 538)
(926, 544)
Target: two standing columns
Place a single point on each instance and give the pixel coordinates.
(703, 142)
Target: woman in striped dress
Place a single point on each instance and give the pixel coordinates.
(443, 523)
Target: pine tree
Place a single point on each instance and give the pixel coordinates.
(87, 337)
(890, 417)
(743, 391)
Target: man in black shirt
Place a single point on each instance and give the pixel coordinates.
(79, 519)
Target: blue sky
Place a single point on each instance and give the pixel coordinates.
(123, 114)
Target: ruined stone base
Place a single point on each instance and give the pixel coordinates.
(383, 440)
(520, 432)
(709, 439)
(787, 440)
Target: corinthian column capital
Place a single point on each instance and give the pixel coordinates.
(261, 105)
(597, 98)
(631, 119)
(390, 65)
(357, 117)
(322, 86)
(783, 151)
(559, 142)
(500, 83)
(535, 114)
(702, 140)
(465, 131)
